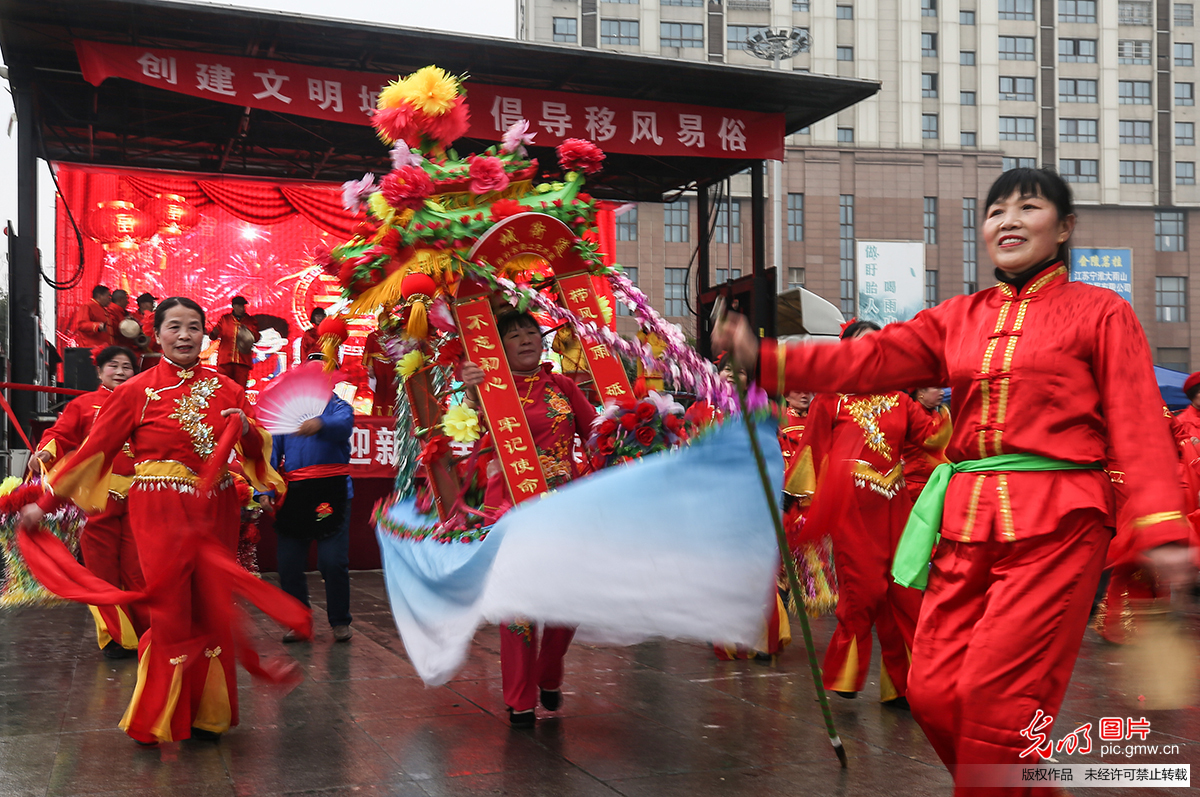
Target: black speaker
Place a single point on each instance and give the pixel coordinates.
(79, 370)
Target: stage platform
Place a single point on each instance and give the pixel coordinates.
(662, 719)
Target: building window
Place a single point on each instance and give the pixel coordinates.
(966, 98)
(627, 227)
(966, 17)
(1185, 54)
(1185, 134)
(799, 5)
(1079, 171)
(727, 274)
(1134, 131)
(970, 250)
(929, 219)
(1185, 93)
(1016, 48)
(1017, 89)
(795, 277)
(1185, 173)
(1169, 231)
(845, 53)
(929, 8)
(967, 138)
(1018, 128)
(736, 35)
(931, 288)
(1133, 92)
(1076, 10)
(929, 83)
(1133, 12)
(1136, 172)
(1133, 51)
(1076, 90)
(1173, 358)
(1017, 163)
(676, 225)
(929, 45)
(619, 31)
(929, 125)
(624, 2)
(1077, 131)
(1016, 9)
(845, 12)
(795, 217)
(564, 29)
(1185, 15)
(632, 273)
(845, 135)
(680, 34)
(1170, 300)
(675, 292)
(846, 252)
(690, 3)
(966, 58)
(1077, 51)
(724, 220)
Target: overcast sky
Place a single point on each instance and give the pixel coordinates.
(484, 17)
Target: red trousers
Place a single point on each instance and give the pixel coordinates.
(999, 632)
(868, 597)
(525, 667)
(110, 552)
(236, 371)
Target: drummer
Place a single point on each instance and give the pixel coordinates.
(238, 333)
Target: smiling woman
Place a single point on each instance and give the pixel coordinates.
(1052, 383)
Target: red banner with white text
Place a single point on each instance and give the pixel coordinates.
(617, 124)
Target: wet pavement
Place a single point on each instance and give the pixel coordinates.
(661, 719)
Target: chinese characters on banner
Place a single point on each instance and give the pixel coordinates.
(1104, 268)
(373, 448)
(891, 280)
(614, 123)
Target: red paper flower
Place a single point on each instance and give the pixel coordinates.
(435, 449)
(598, 462)
(700, 413)
(407, 187)
(448, 127)
(579, 155)
(645, 435)
(503, 208)
(450, 352)
(604, 446)
(395, 123)
(627, 403)
(607, 427)
(645, 411)
(487, 175)
(673, 423)
(628, 421)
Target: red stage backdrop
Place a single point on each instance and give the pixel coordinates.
(253, 238)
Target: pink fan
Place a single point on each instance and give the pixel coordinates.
(291, 399)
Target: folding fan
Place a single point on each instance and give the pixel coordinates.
(291, 399)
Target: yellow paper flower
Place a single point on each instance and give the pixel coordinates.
(380, 208)
(605, 308)
(461, 424)
(392, 95)
(9, 484)
(429, 89)
(410, 363)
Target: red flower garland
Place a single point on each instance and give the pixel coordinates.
(580, 155)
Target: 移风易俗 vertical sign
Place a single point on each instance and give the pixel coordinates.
(1104, 268)
(890, 279)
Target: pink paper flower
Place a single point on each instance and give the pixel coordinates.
(407, 187)
(403, 156)
(355, 192)
(516, 136)
(487, 175)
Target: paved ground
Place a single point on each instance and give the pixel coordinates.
(662, 719)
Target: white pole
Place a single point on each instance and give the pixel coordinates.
(777, 179)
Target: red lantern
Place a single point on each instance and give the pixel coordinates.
(172, 213)
(118, 225)
(418, 291)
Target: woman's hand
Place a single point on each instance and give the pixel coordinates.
(472, 377)
(245, 420)
(1173, 565)
(31, 517)
(733, 334)
(37, 461)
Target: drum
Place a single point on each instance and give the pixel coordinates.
(245, 340)
(129, 328)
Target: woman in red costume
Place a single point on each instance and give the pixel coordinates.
(920, 459)
(107, 541)
(557, 413)
(1058, 375)
(171, 417)
(850, 463)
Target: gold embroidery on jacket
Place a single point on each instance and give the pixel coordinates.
(189, 411)
(866, 413)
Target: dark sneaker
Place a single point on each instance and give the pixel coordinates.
(847, 695)
(521, 719)
(290, 637)
(551, 699)
(113, 650)
(201, 735)
(342, 633)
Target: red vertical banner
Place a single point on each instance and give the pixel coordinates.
(498, 396)
(607, 371)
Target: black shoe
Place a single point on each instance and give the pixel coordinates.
(847, 695)
(113, 650)
(900, 703)
(290, 637)
(140, 743)
(201, 735)
(521, 719)
(551, 699)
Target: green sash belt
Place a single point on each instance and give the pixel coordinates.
(910, 566)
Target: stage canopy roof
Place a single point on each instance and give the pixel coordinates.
(125, 123)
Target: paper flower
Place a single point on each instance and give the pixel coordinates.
(407, 187)
(430, 90)
(605, 308)
(516, 136)
(380, 209)
(487, 175)
(9, 484)
(461, 423)
(579, 155)
(410, 363)
(355, 192)
(503, 208)
(402, 155)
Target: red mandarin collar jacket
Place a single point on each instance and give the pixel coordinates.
(1058, 369)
